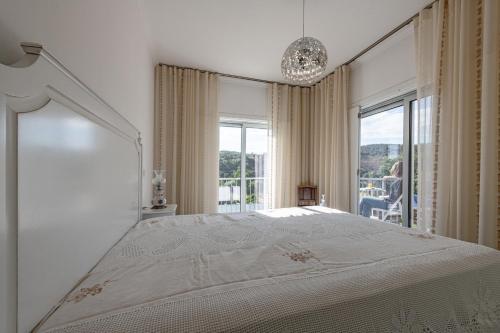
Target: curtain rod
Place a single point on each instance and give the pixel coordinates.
(383, 38)
(232, 75)
(386, 36)
(364, 51)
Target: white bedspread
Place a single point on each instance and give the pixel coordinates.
(288, 270)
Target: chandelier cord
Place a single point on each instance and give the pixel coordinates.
(303, 15)
(305, 59)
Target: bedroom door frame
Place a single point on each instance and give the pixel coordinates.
(406, 102)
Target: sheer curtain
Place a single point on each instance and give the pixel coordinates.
(458, 119)
(428, 38)
(186, 137)
(310, 140)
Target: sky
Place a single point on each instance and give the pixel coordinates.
(383, 127)
(230, 139)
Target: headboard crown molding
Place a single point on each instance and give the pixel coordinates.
(32, 48)
(38, 64)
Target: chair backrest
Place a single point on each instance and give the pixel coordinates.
(397, 205)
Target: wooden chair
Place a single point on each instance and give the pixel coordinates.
(307, 195)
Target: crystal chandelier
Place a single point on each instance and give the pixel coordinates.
(305, 59)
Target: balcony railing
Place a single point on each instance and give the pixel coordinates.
(375, 187)
(230, 193)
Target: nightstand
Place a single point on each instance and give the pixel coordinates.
(148, 212)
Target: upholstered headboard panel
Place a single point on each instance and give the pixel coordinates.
(78, 180)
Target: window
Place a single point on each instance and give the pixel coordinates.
(243, 159)
(385, 161)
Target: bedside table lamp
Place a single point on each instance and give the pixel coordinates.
(159, 201)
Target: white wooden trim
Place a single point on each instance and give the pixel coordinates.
(386, 94)
(8, 220)
(354, 156)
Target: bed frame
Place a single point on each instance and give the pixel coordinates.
(70, 184)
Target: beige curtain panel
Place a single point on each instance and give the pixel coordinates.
(458, 60)
(330, 158)
(186, 136)
(310, 134)
(290, 145)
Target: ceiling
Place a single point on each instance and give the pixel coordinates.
(248, 38)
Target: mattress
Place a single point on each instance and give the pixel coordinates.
(309, 269)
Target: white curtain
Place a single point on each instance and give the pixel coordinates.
(310, 140)
(428, 35)
(186, 137)
(458, 119)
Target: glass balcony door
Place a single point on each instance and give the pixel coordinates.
(229, 168)
(384, 161)
(243, 159)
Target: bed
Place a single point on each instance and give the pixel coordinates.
(84, 261)
(286, 270)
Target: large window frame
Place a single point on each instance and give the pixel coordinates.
(404, 101)
(243, 125)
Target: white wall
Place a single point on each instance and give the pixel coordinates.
(387, 71)
(104, 43)
(242, 99)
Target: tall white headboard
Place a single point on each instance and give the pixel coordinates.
(77, 162)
